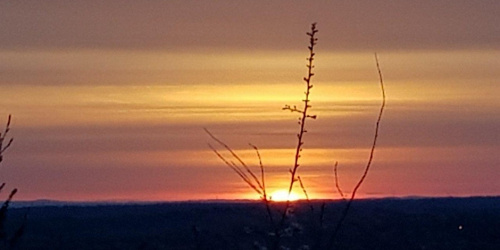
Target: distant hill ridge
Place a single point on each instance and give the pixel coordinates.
(58, 203)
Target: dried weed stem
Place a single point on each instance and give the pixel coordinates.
(368, 164)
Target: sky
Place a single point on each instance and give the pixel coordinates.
(110, 98)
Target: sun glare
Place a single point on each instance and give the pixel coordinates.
(282, 195)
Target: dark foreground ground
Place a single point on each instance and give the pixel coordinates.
(451, 223)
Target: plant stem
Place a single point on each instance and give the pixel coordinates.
(368, 164)
(302, 122)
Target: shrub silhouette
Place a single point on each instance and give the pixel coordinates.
(7, 241)
(279, 222)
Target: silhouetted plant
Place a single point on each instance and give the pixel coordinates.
(245, 172)
(251, 179)
(281, 228)
(6, 240)
(3, 136)
(303, 114)
(367, 167)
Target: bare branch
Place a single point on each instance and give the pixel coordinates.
(7, 146)
(237, 170)
(263, 181)
(264, 191)
(303, 188)
(305, 115)
(368, 164)
(294, 109)
(337, 185)
(253, 183)
(2, 138)
(236, 157)
(302, 122)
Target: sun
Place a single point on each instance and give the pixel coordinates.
(282, 195)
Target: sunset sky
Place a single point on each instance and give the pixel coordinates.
(109, 98)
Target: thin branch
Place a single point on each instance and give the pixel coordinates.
(259, 187)
(367, 168)
(2, 138)
(264, 191)
(7, 127)
(306, 101)
(337, 185)
(302, 122)
(262, 176)
(294, 109)
(6, 146)
(303, 188)
(236, 157)
(237, 170)
(312, 42)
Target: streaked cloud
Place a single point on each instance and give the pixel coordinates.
(110, 98)
(354, 25)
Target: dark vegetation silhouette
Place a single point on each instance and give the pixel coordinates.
(375, 224)
(7, 241)
(280, 214)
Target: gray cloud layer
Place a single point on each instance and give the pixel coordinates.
(346, 25)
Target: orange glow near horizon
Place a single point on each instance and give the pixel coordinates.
(147, 126)
(282, 195)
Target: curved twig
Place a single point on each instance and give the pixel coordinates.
(368, 164)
